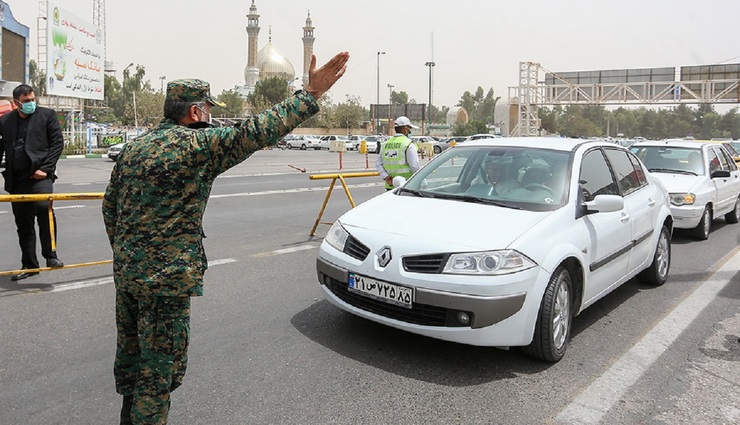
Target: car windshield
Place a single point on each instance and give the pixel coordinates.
(666, 159)
(508, 176)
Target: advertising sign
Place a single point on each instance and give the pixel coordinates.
(75, 56)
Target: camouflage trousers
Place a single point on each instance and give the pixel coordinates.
(151, 353)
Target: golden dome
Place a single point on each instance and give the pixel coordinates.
(272, 63)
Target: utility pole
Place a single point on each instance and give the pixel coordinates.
(375, 111)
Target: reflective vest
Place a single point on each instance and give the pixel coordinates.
(394, 157)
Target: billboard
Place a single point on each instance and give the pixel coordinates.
(75, 56)
(714, 74)
(591, 81)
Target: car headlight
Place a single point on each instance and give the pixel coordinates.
(337, 236)
(679, 199)
(488, 263)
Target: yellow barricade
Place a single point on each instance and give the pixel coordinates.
(334, 177)
(51, 197)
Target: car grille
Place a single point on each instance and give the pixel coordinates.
(356, 249)
(419, 314)
(430, 263)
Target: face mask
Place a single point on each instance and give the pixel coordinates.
(210, 117)
(202, 124)
(28, 108)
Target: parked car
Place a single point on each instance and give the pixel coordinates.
(579, 220)
(373, 143)
(325, 142)
(115, 150)
(702, 178)
(355, 141)
(437, 146)
(303, 142)
(483, 136)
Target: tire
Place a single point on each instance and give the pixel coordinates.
(701, 231)
(657, 273)
(733, 216)
(552, 330)
(437, 150)
(290, 146)
(303, 147)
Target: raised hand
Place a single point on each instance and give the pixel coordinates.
(320, 80)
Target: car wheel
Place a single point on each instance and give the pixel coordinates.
(317, 148)
(552, 330)
(303, 147)
(657, 273)
(437, 150)
(701, 231)
(290, 146)
(733, 216)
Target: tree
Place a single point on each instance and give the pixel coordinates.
(273, 89)
(399, 98)
(234, 105)
(37, 78)
(349, 115)
(149, 107)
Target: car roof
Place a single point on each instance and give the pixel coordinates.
(676, 143)
(552, 143)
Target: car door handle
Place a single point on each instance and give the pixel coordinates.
(624, 218)
(651, 202)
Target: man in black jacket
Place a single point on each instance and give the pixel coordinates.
(32, 143)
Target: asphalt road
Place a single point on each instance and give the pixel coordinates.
(267, 349)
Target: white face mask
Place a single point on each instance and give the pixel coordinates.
(210, 117)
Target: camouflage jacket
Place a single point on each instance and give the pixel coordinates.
(154, 203)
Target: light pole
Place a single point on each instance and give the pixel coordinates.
(390, 101)
(430, 65)
(375, 110)
(161, 84)
(125, 78)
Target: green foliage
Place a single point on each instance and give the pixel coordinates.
(469, 128)
(272, 90)
(682, 121)
(37, 78)
(399, 98)
(480, 106)
(234, 105)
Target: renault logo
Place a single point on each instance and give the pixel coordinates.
(384, 256)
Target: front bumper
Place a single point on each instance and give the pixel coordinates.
(431, 307)
(687, 216)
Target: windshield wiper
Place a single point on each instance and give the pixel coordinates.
(474, 199)
(415, 192)
(670, 170)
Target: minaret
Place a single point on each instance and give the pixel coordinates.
(308, 39)
(251, 76)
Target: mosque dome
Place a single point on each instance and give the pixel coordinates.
(272, 63)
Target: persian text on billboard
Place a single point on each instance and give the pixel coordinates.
(75, 55)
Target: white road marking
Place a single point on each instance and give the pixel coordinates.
(596, 400)
(284, 251)
(300, 189)
(104, 280)
(68, 207)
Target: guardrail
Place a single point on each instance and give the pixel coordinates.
(51, 197)
(334, 177)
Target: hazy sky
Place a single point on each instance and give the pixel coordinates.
(473, 43)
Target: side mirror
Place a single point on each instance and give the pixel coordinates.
(399, 181)
(720, 174)
(605, 203)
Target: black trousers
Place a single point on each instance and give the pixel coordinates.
(26, 214)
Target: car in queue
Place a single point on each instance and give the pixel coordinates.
(702, 179)
(437, 146)
(373, 143)
(115, 150)
(550, 227)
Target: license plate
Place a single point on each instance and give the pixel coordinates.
(383, 291)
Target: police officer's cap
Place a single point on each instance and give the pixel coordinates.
(403, 122)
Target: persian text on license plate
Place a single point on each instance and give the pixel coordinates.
(383, 291)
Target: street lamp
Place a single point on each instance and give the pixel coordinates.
(390, 96)
(375, 114)
(161, 84)
(430, 65)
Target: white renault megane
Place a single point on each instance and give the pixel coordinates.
(501, 242)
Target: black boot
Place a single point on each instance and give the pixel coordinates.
(128, 401)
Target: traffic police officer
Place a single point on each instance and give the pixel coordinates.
(399, 155)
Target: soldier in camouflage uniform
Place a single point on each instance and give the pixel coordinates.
(153, 212)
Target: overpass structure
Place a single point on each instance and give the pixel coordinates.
(538, 87)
